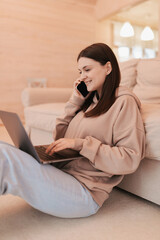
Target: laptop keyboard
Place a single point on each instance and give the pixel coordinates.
(41, 153)
(55, 156)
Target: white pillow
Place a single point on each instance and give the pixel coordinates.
(148, 80)
(151, 118)
(128, 73)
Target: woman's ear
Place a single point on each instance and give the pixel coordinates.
(108, 68)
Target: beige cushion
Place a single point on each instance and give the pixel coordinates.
(148, 81)
(34, 96)
(43, 116)
(151, 119)
(128, 73)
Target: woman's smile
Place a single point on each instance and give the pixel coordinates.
(87, 82)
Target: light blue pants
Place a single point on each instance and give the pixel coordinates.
(44, 187)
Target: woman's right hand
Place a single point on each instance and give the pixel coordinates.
(76, 83)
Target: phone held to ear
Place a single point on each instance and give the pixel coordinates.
(82, 88)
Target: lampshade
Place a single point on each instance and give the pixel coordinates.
(147, 34)
(127, 30)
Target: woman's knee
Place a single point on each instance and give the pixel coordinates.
(5, 149)
(4, 146)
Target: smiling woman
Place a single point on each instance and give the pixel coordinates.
(105, 128)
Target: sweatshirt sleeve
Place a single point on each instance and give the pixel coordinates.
(62, 122)
(128, 147)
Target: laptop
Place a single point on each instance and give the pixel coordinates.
(22, 141)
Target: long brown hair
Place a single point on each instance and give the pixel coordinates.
(102, 53)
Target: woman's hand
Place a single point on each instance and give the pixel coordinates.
(61, 144)
(76, 83)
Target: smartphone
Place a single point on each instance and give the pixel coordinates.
(82, 88)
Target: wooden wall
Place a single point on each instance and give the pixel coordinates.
(41, 39)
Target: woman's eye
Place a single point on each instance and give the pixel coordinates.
(86, 70)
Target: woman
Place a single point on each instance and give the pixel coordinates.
(105, 127)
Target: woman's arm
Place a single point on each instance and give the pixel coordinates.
(72, 106)
(128, 148)
(62, 122)
(123, 158)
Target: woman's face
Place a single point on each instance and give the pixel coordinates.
(93, 73)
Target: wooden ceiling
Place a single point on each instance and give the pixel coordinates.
(146, 13)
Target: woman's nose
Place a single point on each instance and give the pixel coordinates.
(83, 76)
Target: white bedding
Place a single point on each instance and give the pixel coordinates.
(43, 116)
(151, 119)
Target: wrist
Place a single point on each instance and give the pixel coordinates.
(78, 144)
(76, 99)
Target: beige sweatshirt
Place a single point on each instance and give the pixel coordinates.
(112, 144)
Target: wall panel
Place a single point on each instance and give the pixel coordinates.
(41, 39)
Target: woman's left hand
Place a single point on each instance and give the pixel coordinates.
(60, 144)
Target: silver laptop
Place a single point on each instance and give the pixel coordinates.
(21, 140)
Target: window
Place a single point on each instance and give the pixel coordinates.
(133, 47)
